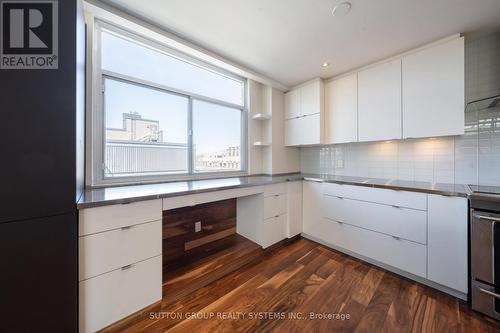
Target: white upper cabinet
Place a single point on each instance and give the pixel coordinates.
(418, 94)
(433, 90)
(379, 102)
(341, 103)
(292, 104)
(303, 131)
(304, 114)
(311, 96)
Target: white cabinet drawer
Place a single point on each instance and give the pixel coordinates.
(384, 196)
(405, 223)
(107, 251)
(110, 297)
(99, 219)
(274, 189)
(273, 230)
(179, 201)
(274, 205)
(398, 253)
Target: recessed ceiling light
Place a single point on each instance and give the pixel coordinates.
(342, 9)
(325, 64)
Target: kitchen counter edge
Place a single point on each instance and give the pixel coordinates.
(96, 197)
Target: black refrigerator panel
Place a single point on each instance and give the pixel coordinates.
(38, 131)
(38, 280)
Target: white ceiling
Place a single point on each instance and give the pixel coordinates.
(287, 40)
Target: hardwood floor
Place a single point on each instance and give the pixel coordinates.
(303, 277)
(206, 264)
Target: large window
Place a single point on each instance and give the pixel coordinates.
(162, 114)
(216, 137)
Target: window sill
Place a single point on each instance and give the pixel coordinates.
(122, 181)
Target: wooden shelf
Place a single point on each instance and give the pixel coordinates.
(261, 116)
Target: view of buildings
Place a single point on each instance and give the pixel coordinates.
(227, 159)
(138, 148)
(136, 129)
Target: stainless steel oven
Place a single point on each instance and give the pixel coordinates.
(485, 253)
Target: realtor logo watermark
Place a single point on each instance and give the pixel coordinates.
(29, 38)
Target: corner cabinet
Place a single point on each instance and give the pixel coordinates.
(304, 109)
(433, 91)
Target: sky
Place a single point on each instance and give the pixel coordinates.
(214, 126)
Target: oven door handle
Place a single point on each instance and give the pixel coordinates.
(489, 218)
(489, 293)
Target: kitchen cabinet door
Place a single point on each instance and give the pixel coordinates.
(311, 98)
(305, 130)
(341, 99)
(379, 102)
(292, 104)
(294, 208)
(312, 205)
(447, 241)
(433, 91)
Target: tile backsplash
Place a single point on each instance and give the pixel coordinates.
(432, 160)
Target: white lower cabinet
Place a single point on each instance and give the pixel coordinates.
(399, 253)
(263, 217)
(422, 234)
(99, 219)
(120, 262)
(409, 224)
(107, 251)
(312, 198)
(378, 195)
(273, 230)
(274, 205)
(294, 209)
(447, 247)
(109, 297)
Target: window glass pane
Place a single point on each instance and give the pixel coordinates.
(146, 131)
(125, 57)
(216, 137)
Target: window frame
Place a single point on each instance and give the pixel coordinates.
(95, 143)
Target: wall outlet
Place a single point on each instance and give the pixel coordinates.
(197, 226)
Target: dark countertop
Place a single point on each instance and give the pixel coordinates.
(454, 190)
(125, 194)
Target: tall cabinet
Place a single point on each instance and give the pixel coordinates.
(42, 140)
(304, 113)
